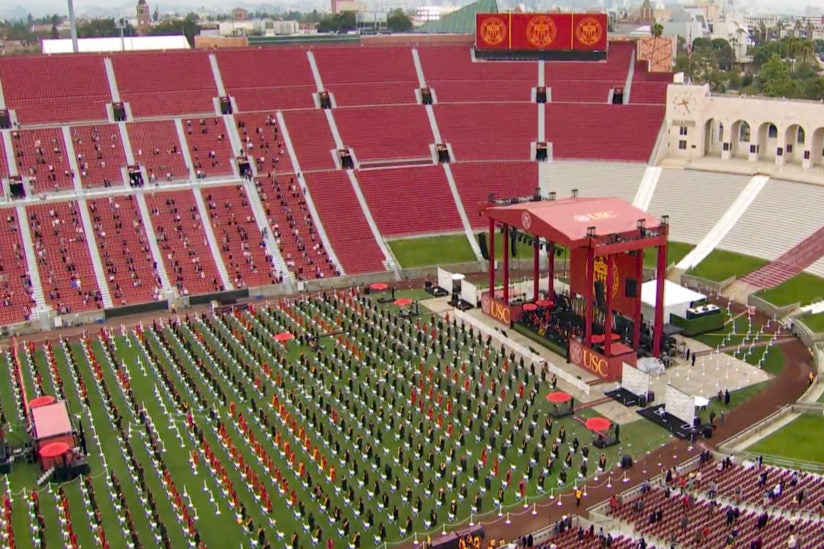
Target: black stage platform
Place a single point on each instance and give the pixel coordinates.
(674, 425)
(626, 397)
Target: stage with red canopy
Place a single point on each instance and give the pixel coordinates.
(605, 238)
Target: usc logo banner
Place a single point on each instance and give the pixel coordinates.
(584, 357)
(492, 31)
(541, 31)
(623, 268)
(498, 310)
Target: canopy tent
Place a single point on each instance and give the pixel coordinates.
(677, 299)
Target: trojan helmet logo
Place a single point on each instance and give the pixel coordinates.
(589, 31)
(541, 31)
(486, 304)
(576, 353)
(493, 31)
(599, 274)
(526, 221)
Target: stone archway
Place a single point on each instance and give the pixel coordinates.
(714, 137)
(817, 147)
(767, 140)
(740, 138)
(793, 144)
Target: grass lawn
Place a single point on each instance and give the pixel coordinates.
(721, 265)
(351, 395)
(774, 360)
(801, 440)
(675, 253)
(432, 250)
(803, 288)
(814, 322)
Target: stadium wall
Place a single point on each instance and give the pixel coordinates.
(701, 124)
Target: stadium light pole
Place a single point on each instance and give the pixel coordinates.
(73, 26)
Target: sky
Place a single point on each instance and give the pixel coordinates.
(19, 8)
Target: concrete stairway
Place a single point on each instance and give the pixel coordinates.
(31, 258)
(97, 265)
(725, 224)
(210, 237)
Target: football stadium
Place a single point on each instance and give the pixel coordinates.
(516, 288)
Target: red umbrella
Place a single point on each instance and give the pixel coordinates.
(403, 301)
(559, 397)
(379, 286)
(284, 336)
(54, 450)
(530, 307)
(544, 303)
(598, 424)
(42, 401)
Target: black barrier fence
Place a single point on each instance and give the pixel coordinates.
(128, 310)
(224, 298)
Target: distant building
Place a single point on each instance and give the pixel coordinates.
(240, 14)
(340, 6)
(144, 18)
(257, 27)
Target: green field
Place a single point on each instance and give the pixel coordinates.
(803, 288)
(353, 395)
(814, 322)
(800, 439)
(721, 265)
(675, 253)
(774, 360)
(432, 250)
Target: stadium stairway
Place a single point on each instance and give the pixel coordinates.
(269, 238)
(790, 263)
(71, 156)
(293, 159)
(8, 152)
(112, 79)
(725, 224)
(628, 83)
(646, 190)
(542, 106)
(370, 220)
(203, 211)
(184, 148)
(456, 196)
(31, 259)
(221, 89)
(148, 226)
(97, 265)
(453, 188)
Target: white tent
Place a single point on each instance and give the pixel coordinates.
(107, 45)
(677, 299)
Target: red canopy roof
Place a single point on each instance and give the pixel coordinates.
(51, 420)
(54, 449)
(567, 220)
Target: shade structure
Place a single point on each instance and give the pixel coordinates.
(379, 286)
(42, 401)
(530, 307)
(53, 450)
(458, 277)
(284, 336)
(599, 338)
(598, 424)
(701, 402)
(559, 397)
(403, 301)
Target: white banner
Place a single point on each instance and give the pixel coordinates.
(469, 293)
(445, 280)
(680, 404)
(634, 380)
